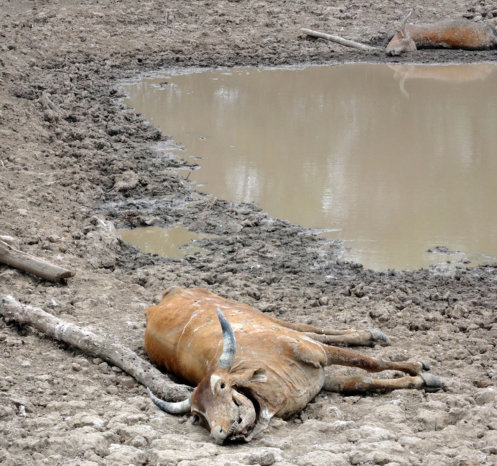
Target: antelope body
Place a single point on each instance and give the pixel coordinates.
(248, 367)
(461, 33)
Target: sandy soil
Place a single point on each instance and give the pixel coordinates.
(74, 163)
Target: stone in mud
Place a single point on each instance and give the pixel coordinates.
(263, 458)
(126, 181)
(138, 442)
(84, 419)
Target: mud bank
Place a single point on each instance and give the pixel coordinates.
(75, 163)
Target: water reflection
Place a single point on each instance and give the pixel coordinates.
(448, 74)
(398, 158)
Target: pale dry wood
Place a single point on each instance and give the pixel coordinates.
(7, 239)
(31, 264)
(341, 40)
(92, 344)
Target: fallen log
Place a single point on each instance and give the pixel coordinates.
(341, 40)
(31, 264)
(94, 345)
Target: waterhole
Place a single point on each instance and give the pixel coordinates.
(393, 159)
(167, 242)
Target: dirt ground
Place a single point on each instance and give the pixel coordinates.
(75, 164)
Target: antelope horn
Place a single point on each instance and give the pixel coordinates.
(402, 28)
(171, 407)
(227, 358)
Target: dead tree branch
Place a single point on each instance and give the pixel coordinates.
(95, 345)
(31, 264)
(341, 40)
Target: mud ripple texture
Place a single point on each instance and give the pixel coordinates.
(75, 164)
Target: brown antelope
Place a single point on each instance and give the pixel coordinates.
(460, 33)
(248, 367)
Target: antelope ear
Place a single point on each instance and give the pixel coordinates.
(259, 376)
(246, 377)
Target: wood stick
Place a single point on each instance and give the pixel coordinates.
(92, 344)
(31, 264)
(341, 40)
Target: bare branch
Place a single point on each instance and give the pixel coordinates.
(31, 264)
(341, 40)
(92, 344)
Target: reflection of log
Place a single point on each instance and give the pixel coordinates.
(31, 264)
(341, 40)
(94, 345)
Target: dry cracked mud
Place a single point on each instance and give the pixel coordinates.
(75, 163)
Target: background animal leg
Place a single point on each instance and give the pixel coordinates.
(345, 357)
(354, 338)
(361, 384)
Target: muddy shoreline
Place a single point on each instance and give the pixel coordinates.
(75, 163)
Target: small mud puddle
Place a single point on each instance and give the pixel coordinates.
(173, 242)
(394, 159)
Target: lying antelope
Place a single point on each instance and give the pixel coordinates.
(248, 367)
(461, 34)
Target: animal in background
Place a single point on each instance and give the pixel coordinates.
(459, 33)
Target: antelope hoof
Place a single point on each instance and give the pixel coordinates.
(432, 382)
(378, 337)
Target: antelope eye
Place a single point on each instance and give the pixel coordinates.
(198, 418)
(222, 385)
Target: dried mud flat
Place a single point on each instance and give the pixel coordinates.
(75, 163)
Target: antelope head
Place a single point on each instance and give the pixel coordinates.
(222, 402)
(401, 42)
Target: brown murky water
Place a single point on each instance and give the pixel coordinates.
(395, 159)
(167, 242)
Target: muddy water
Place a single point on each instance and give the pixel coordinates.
(394, 159)
(167, 242)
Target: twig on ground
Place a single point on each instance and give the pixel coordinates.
(341, 40)
(31, 264)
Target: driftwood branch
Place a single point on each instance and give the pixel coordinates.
(31, 264)
(341, 40)
(94, 345)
